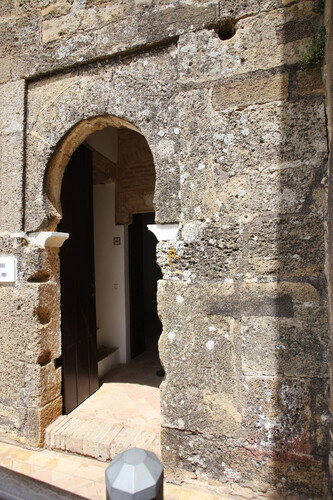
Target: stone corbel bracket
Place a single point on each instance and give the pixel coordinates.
(165, 232)
(47, 239)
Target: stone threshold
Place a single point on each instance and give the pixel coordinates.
(100, 440)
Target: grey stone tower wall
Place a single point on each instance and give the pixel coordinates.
(239, 139)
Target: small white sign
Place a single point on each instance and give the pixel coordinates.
(7, 269)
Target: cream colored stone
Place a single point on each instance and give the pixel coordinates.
(299, 292)
(56, 10)
(5, 69)
(250, 91)
(53, 29)
(40, 418)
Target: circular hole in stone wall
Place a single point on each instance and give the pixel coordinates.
(226, 29)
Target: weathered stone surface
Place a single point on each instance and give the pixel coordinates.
(258, 169)
(230, 461)
(99, 31)
(287, 247)
(39, 419)
(280, 414)
(198, 346)
(5, 69)
(237, 133)
(11, 107)
(11, 154)
(13, 422)
(257, 45)
(196, 167)
(212, 252)
(11, 181)
(297, 346)
(34, 306)
(300, 293)
(256, 90)
(7, 7)
(132, 90)
(310, 82)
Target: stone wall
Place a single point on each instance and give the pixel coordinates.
(328, 72)
(238, 136)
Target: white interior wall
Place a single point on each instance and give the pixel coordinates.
(110, 260)
(105, 141)
(110, 272)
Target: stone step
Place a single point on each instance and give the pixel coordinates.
(96, 439)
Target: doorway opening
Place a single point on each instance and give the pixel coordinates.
(145, 326)
(108, 266)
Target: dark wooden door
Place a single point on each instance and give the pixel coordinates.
(78, 311)
(145, 326)
(135, 253)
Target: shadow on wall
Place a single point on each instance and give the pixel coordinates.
(286, 349)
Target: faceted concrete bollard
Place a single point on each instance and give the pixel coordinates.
(134, 474)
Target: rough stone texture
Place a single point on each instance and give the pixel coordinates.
(242, 92)
(30, 341)
(238, 136)
(11, 154)
(328, 79)
(133, 89)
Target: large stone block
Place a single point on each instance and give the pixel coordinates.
(208, 252)
(5, 69)
(40, 418)
(11, 182)
(251, 90)
(198, 353)
(268, 473)
(310, 81)
(289, 415)
(50, 384)
(199, 57)
(30, 320)
(20, 382)
(258, 168)
(13, 422)
(11, 107)
(197, 190)
(287, 247)
(297, 346)
(299, 293)
(103, 30)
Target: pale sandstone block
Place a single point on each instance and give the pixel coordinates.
(11, 163)
(53, 29)
(56, 10)
(40, 418)
(5, 69)
(12, 107)
(296, 346)
(251, 91)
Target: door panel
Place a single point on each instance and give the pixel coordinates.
(135, 251)
(78, 312)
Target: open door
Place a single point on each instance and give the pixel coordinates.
(78, 311)
(145, 326)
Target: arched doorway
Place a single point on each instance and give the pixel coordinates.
(108, 274)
